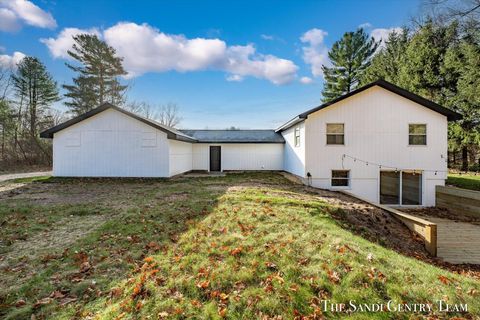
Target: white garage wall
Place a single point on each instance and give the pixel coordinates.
(294, 157)
(180, 157)
(241, 156)
(110, 144)
(376, 129)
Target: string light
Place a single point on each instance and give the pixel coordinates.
(382, 166)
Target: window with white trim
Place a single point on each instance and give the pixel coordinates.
(335, 133)
(417, 134)
(297, 137)
(340, 178)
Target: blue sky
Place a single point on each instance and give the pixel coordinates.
(250, 64)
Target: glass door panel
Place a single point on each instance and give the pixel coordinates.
(411, 188)
(389, 187)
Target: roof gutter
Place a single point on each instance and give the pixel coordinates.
(290, 123)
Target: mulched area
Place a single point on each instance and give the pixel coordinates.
(444, 213)
(382, 227)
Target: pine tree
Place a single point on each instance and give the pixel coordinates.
(421, 70)
(387, 63)
(97, 80)
(463, 62)
(350, 56)
(36, 89)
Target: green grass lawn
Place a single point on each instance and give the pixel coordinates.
(465, 181)
(244, 246)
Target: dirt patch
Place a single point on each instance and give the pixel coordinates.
(16, 266)
(177, 196)
(373, 223)
(64, 233)
(443, 213)
(11, 189)
(361, 218)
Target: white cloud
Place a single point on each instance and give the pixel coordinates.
(10, 62)
(316, 52)
(382, 34)
(244, 61)
(366, 25)
(306, 80)
(8, 20)
(146, 49)
(267, 37)
(59, 46)
(234, 78)
(14, 11)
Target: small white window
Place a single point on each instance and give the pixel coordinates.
(149, 139)
(417, 134)
(335, 133)
(73, 139)
(297, 137)
(340, 178)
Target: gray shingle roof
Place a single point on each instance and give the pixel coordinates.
(235, 136)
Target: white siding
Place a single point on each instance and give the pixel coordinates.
(110, 144)
(180, 157)
(294, 157)
(376, 130)
(240, 156)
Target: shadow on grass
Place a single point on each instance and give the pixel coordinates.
(136, 218)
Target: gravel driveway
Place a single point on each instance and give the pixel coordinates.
(5, 177)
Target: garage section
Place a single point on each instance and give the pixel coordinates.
(110, 144)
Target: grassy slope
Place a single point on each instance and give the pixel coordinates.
(466, 181)
(239, 253)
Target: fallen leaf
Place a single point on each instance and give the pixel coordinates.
(271, 265)
(148, 259)
(85, 266)
(222, 312)
(67, 300)
(57, 295)
(42, 302)
(444, 280)
(203, 284)
(236, 251)
(20, 303)
(153, 246)
(333, 276)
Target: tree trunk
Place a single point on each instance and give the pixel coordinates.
(465, 158)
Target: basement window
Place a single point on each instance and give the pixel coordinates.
(335, 133)
(417, 134)
(297, 137)
(340, 178)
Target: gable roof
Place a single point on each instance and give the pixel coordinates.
(235, 136)
(171, 132)
(205, 136)
(450, 114)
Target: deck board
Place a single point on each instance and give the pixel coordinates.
(457, 242)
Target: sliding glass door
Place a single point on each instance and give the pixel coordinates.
(401, 187)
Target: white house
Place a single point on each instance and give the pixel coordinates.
(379, 142)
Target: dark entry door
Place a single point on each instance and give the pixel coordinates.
(215, 158)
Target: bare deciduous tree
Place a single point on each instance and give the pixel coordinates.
(467, 12)
(167, 114)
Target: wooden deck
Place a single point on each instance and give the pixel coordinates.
(457, 242)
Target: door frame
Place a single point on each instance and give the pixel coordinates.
(210, 160)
